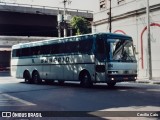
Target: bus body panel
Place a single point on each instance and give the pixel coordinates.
(54, 70)
(122, 71)
(122, 66)
(20, 65)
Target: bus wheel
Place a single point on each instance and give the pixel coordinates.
(85, 79)
(36, 78)
(111, 84)
(27, 77)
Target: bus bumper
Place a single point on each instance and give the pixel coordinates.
(121, 78)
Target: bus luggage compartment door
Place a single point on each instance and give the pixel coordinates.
(100, 69)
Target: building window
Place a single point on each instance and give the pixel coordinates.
(119, 2)
(102, 4)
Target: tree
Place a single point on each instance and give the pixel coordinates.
(80, 24)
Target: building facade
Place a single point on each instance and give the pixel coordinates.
(129, 17)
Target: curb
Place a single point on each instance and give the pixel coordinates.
(148, 81)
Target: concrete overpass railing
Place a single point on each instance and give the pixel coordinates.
(46, 10)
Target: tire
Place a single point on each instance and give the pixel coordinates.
(111, 84)
(36, 78)
(27, 77)
(85, 79)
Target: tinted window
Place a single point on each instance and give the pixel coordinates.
(57, 48)
(45, 49)
(18, 52)
(35, 50)
(71, 47)
(25, 52)
(81, 45)
(85, 46)
(14, 53)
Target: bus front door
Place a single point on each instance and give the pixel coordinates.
(100, 60)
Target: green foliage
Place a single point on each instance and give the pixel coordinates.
(80, 24)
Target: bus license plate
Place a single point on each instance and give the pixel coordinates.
(125, 78)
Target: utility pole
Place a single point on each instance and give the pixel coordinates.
(110, 17)
(64, 17)
(59, 29)
(59, 20)
(149, 43)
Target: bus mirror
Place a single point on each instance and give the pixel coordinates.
(134, 49)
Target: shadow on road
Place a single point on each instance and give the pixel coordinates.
(101, 86)
(73, 97)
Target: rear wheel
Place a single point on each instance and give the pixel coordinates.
(36, 78)
(27, 77)
(85, 79)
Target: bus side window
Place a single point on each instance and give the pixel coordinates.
(61, 47)
(56, 48)
(35, 50)
(14, 53)
(25, 52)
(85, 46)
(45, 49)
(18, 52)
(71, 47)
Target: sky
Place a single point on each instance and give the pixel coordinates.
(92, 5)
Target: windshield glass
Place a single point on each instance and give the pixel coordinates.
(121, 50)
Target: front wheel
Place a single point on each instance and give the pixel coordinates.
(85, 79)
(111, 84)
(36, 78)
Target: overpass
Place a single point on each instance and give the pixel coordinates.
(24, 23)
(33, 20)
(6, 43)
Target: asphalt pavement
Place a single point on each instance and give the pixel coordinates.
(128, 98)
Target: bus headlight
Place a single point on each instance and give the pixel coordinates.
(112, 78)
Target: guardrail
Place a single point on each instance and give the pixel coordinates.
(43, 7)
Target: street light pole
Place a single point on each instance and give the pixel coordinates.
(149, 43)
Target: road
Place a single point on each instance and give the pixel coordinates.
(15, 95)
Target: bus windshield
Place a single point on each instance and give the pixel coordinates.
(121, 50)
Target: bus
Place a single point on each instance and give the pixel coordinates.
(88, 59)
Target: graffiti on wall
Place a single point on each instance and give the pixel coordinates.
(141, 42)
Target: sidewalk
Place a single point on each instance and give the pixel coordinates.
(4, 73)
(145, 80)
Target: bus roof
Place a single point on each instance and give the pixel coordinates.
(41, 42)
